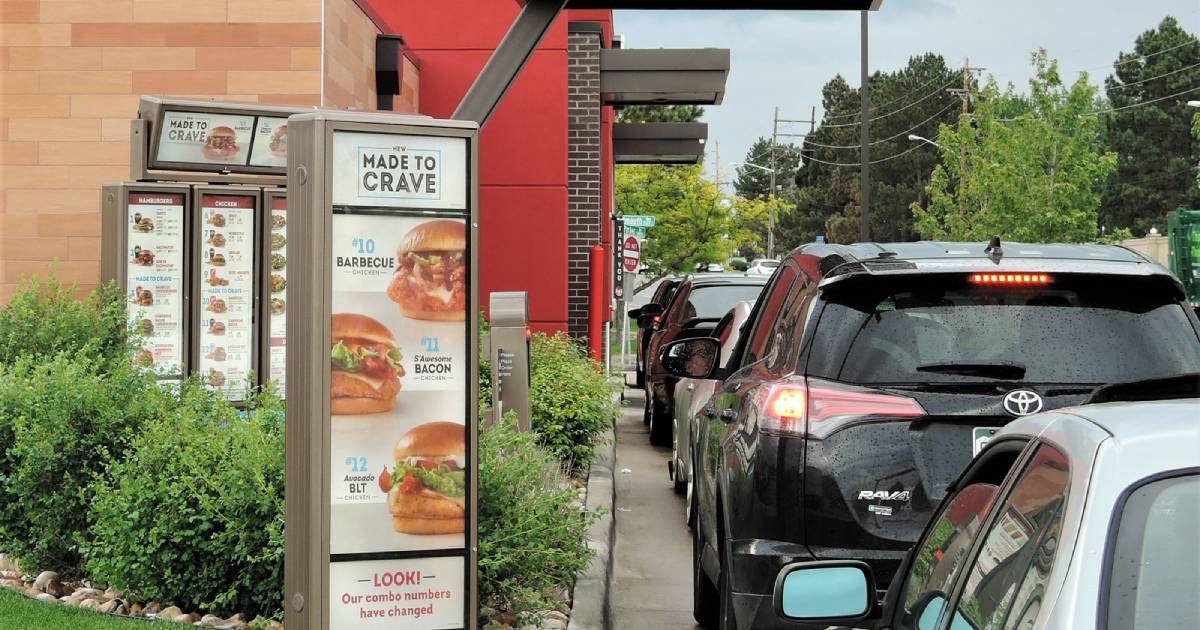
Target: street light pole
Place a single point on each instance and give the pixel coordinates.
(865, 140)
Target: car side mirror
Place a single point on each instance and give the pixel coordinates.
(635, 313)
(690, 358)
(650, 310)
(826, 593)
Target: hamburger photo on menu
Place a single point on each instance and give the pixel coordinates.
(427, 486)
(430, 278)
(221, 145)
(365, 365)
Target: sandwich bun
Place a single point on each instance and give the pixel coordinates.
(432, 439)
(355, 326)
(434, 236)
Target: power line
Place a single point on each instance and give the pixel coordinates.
(940, 90)
(893, 101)
(1165, 74)
(879, 161)
(881, 141)
(1117, 64)
(1163, 98)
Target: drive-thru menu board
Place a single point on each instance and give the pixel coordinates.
(206, 138)
(399, 365)
(270, 142)
(155, 278)
(225, 240)
(276, 260)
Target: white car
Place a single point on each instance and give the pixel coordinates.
(1079, 518)
(763, 266)
(691, 396)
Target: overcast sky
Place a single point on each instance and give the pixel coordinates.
(783, 58)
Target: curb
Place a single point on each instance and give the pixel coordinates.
(589, 609)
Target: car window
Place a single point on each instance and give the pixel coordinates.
(784, 339)
(714, 300)
(776, 293)
(915, 330)
(940, 556)
(1005, 584)
(1154, 579)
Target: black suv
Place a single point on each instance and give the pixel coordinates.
(868, 376)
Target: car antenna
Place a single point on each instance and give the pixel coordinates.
(993, 249)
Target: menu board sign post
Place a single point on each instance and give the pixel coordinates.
(225, 228)
(382, 365)
(274, 286)
(145, 229)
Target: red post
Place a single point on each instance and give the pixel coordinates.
(597, 303)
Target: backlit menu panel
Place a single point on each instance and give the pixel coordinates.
(154, 276)
(226, 309)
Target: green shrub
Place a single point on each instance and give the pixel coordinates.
(45, 318)
(531, 535)
(194, 514)
(62, 421)
(570, 399)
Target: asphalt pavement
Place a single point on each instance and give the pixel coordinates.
(652, 563)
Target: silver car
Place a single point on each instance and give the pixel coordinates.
(1081, 518)
(692, 394)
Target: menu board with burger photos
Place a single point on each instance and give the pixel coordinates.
(225, 240)
(276, 261)
(154, 278)
(398, 395)
(223, 140)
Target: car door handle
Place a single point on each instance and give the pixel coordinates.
(691, 386)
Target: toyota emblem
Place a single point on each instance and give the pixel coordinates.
(1022, 402)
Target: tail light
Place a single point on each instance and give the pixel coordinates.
(817, 408)
(1011, 278)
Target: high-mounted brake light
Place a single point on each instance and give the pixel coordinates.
(818, 408)
(1011, 278)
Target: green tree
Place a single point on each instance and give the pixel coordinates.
(1149, 129)
(1036, 177)
(691, 223)
(660, 113)
(749, 221)
(755, 183)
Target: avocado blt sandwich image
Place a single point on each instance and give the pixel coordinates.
(365, 366)
(426, 488)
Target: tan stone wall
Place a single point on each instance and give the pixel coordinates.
(349, 56)
(71, 72)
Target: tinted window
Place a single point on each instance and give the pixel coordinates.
(784, 339)
(716, 300)
(1005, 584)
(942, 554)
(1155, 578)
(778, 290)
(908, 331)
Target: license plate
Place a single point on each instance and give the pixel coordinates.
(980, 437)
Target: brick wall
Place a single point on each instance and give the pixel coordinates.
(583, 171)
(71, 73)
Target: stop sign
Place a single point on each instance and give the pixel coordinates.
(632, 253)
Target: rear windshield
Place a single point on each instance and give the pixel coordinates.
(716, 300)
(1077, 330)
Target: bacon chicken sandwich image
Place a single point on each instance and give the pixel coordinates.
(365, 366)
(426, 488)
(278, 144)
(221, 144)
(430, 279)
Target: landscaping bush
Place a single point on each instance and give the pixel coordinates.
(45, 318)
(194, 514)
(570, 399)
(63, 419)
(531, 535)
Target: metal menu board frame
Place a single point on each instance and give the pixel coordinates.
(206, 276)
(147, 137)
(273, 345)
(115, 262)
(372, 198)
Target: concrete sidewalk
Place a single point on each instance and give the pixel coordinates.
(652, 565)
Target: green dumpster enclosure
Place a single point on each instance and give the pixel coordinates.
(1183, 230)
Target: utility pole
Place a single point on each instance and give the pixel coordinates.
(965, 93)
(865, 140)
(771, 192)
(717, 157)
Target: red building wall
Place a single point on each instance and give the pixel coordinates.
(523, 148)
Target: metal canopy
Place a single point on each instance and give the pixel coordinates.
(664, 77)
(659, 143)
(774, 5)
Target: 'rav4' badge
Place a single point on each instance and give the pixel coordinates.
(884, 495)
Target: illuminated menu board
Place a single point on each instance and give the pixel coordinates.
(226, 309)
(204, 138)
(270, 142)
(276, 259)
(154, 275)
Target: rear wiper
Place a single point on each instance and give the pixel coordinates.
(986, 369)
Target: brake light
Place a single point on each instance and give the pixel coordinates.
(1011, 278)
(818, 408)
